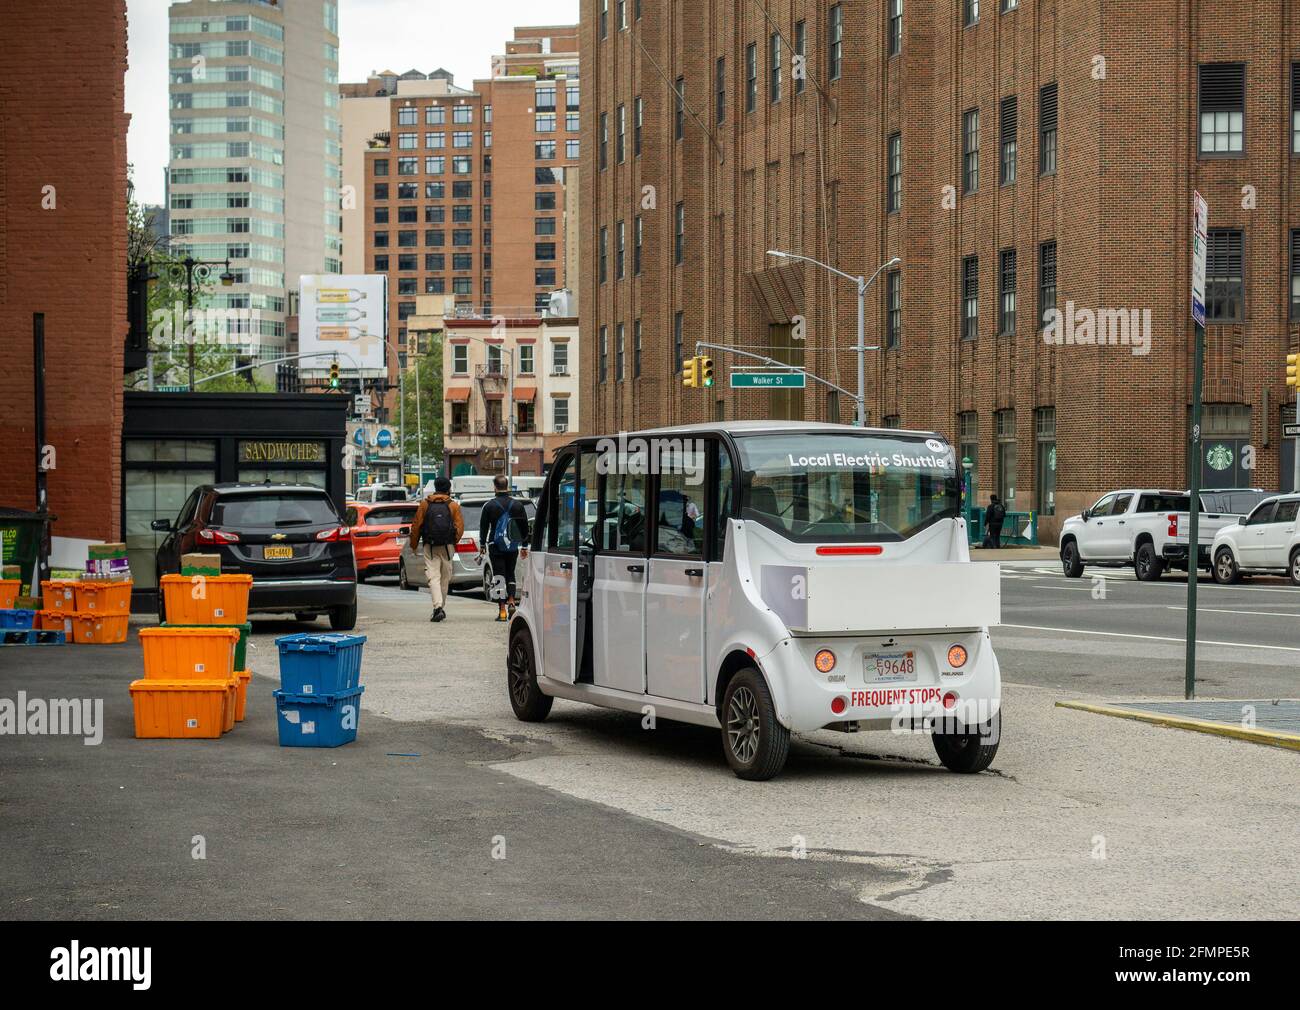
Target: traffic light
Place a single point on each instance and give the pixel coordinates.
(1292, 363)
(706, 372)
(334, 375)
(690, 372)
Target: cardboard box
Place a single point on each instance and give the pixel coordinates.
(200, 564)
(104, 552)
(11, 572)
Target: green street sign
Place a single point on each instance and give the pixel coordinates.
(768, 380)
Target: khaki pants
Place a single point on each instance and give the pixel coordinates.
(437, 568)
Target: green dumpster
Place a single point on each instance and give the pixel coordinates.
(20, 533)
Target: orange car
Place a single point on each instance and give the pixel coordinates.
(378, 533)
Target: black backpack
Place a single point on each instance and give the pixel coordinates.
(438, 529)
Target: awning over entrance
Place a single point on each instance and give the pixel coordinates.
(456, 394)
(526, 393)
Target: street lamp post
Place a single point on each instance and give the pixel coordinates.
(862, 284)
(191, 268)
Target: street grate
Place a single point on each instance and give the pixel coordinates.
(1275, 716)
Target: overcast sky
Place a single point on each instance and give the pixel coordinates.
(397, 35)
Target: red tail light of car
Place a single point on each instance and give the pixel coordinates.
(1173, 524)
(336, 533)
(210, 536)
(467, 546)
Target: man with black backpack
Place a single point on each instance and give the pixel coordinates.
(994, 516)
(503, 529)
(438, 525)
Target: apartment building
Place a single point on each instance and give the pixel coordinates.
(1030, 163)
(478, 358)
(463, 190)
(255, 169)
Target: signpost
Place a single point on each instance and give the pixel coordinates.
(768, 380)
(1200, 222)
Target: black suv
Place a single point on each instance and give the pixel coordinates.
(289, 537)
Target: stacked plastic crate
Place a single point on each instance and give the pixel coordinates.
(319, 701)
(88, 611)
(196, 672)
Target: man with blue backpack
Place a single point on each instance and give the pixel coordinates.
(503, 530)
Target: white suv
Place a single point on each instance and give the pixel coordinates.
(1268, 540)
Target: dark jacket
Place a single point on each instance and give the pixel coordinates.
(417, 524)
(493, 511)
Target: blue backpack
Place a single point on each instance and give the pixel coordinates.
(502, 541)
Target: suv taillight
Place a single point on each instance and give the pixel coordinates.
(1173, 524)
(467, 546)
(210, 536)
(337, 533)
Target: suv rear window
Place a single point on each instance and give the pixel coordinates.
(390, 517)
(273, 509)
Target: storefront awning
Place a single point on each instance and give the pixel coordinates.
(456, 394)
(526, 393)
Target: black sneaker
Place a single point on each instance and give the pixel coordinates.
(439, 615)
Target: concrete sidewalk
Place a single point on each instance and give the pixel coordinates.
(1040, 553)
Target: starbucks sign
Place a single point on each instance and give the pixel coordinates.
(1219, 456)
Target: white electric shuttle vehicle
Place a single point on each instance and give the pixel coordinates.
(764, 578)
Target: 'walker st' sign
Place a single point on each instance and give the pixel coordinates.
(1200, 225)
(768, 380)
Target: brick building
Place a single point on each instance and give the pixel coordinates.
(464, 188)
(63, 253)
(1016, 156)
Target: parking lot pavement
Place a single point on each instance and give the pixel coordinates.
(1081, 817)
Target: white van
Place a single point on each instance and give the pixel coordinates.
(762, 577)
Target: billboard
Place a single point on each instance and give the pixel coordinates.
(343, 314)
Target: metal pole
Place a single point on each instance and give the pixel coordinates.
(510, 419)
(1295, 448)
(419, 428)
(189, 312)
(862, 352)
(42, 570)
(1194, 507)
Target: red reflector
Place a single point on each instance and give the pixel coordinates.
(836, 550)
(949, 700)
(838, 705)
(750, 653)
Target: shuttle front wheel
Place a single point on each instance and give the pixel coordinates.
(756, 744)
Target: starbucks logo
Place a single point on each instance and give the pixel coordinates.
(1219, 457)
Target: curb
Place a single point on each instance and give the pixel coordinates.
(1263, 737)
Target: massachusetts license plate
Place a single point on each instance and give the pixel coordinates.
(272, 553)
(887, 667)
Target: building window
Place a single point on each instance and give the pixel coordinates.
(1223, 109)
(969, 447)
(1007, 293)
(1295, 273)
(603, 257)
(622, 13)
(543, 150)
(679, 112)
(893, 309)
(1225, 288)
(972, 8)
(544, 226)
(460, 359)
(560, 358)
(619, 244)
(620, 137)
(834, 42)
(544, 277)
(636, 246)
(560, 413)
(1295, 108)
(1046, 283)
(618, 353)
(677, 342)
(604, 141)
(970, 151)
(800, 71)
(636, 349)
(435, 115)
(679, 233)
(1006, 461)
(462, 114)
(894, 185)
(1007, 123)
(604, 353)
(895, 31)
(774, 68)
(1225, 431)
(1045, 436)
(751, 76)
(638, 121)
(1047, 130)
(720, 90)
(604, 18)
(1009, 5)
(970, 297)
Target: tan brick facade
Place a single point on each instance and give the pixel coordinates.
(808, 174)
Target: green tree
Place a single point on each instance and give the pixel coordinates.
(428, 368)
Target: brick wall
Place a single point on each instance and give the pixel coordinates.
(62, 82)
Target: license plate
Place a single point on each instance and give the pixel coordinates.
(888, 667)
(277, 552)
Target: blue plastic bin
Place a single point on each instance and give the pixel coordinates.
(17, 620)
(318, 720)
(319, 664)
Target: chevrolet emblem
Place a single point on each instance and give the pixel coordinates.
(278, 536)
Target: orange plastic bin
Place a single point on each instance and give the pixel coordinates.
(189, 653)
(206, 599)
(241, 697)
(10, 590)
(176, 709)
(58, 594)
(56, 620)
(102, 595)
(95, 628)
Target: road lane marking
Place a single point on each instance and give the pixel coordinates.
(1066, 589)
(1149, 638)
(1249, 613)
(1205, 583)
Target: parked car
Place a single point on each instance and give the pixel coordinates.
(1144, 528)
(374, 493)
(289, 537)
(1267, 541)
(466, 571)
(378, 535)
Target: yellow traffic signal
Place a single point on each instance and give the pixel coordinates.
(334, 375)
(1292, 362)
(706, 372)
(690, 372)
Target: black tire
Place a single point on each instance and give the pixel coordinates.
(343, 618)
(1293, 569)
(308, 618)
(755, 743)
(486, 576)
(162, 605)
(1146, 565)
(1071, 563)
(526, 698)
(402, 581)
(1225, 568)
(361, 577)
(968, 753)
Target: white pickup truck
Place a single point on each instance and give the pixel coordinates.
(1149, 529)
